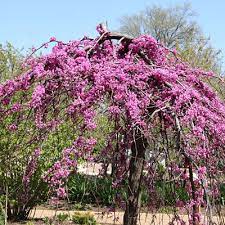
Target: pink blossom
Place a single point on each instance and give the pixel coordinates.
(61, 193)
(37, 96)
(12, 127)
(52, 39)
(202, 172)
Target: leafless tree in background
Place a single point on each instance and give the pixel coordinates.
(175, 27)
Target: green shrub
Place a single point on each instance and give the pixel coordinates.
(81, 206)
(62, 217)
(169, 193)
(29, 223)
(2, 215)
(91, 190)
(48, 221)
(83, 218)
(85, 189)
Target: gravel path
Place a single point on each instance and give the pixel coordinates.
(117, 218)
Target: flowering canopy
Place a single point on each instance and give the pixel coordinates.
(139, 84)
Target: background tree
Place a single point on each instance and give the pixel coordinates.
(175, 27)
(10, 62)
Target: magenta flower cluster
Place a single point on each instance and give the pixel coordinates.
(29, 172)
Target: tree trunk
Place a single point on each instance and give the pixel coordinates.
(133, 203)
(195, 208)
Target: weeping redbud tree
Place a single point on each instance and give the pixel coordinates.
(159, 107)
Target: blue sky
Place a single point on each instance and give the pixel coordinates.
(28, 23)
